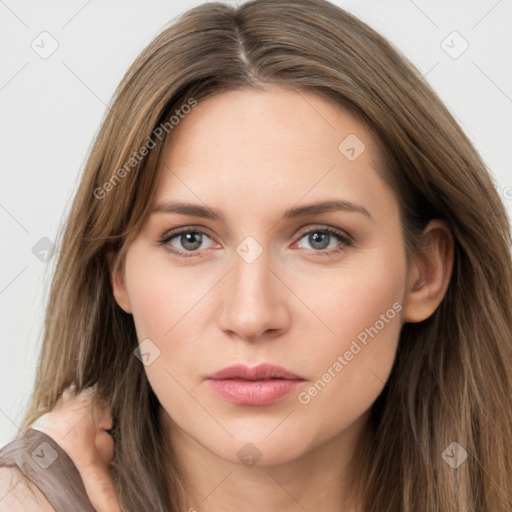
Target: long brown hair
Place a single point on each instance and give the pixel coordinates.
(451, 382)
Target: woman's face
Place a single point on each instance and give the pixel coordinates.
(260, 280)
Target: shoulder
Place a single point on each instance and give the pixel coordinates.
(18, 494)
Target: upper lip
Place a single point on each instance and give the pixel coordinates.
(261, 372)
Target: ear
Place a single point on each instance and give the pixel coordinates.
(429, 273)
(118, 283)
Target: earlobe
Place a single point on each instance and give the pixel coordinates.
(118, 284)
(429, 275)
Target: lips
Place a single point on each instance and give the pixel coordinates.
(261, 372)
(262, 385)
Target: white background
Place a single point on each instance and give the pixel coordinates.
(51, 108)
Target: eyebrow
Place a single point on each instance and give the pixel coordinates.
(196, 210)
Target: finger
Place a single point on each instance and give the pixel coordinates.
(100, 489)
(85, 396)
(103, 416)
(84, 405)
(90, 391)
(105, 446)
(99, 406)
(69, 392)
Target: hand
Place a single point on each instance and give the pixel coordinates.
(78, 424)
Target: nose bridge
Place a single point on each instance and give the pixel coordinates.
(253, 301)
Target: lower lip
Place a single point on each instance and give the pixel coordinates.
(253, 392)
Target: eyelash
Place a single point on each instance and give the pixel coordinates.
(340, 236)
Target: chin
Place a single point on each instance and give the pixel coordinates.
(250, 447)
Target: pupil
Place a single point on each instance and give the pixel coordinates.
(314, 239)
(195, 244)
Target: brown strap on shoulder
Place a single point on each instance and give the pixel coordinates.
(49, 467)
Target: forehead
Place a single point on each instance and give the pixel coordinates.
(256, 120)
(257, 148)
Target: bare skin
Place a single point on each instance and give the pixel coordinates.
(78, 424)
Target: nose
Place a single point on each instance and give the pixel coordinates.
(254, 301)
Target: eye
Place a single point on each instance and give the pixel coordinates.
(190, 240)
(321, 238)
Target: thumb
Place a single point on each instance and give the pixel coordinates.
(99, 487)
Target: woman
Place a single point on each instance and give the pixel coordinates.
(337, 335)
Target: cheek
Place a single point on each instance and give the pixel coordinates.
(353, 297)
(166, 306)
(364, 311)
(159, 294)
(162, 302)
